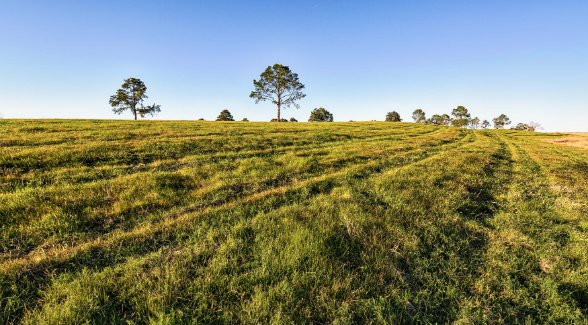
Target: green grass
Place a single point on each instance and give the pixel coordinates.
(123, 222)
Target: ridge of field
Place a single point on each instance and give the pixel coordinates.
(174, 222)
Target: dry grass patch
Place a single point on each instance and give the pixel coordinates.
(575, 139)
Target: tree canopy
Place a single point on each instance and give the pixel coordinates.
(419, 116)
(225, 115)
(532, 126)
(475, 122)
(279, 85)
(521, 126)
(435, 119)
(320, 115)
(501, 121)
(461, 117)
(130, 97)
(393, 117)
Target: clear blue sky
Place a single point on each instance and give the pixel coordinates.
(528, 59)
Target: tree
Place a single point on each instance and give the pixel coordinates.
(501, 121)
(281, 120)
(293, 119)
(485, 124)
(225, 115)
(435, 119)
(475, 122)
(320, 115)
(279, 85)
(534, 126)
(521, 127)
(461, 117)
(130, 97)
(244, 120)
(445, 119)
(393, 117)
(419, 116)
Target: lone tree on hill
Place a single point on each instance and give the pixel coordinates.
(320, 115)
(485, 124)
(461, 117)
(393, 117)
(419, 116)
(225, 115)
(501, 121)
(279, 85)
(293, 119)
(130, 97)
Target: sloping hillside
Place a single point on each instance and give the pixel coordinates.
(125, 222)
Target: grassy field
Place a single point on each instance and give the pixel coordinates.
(123, 222)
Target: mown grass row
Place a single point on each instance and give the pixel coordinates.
(335, 249)
(383, 223)
(535, 263)
(153, 238)
(60, 211)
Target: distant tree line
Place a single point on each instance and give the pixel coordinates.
(280, 86)
(461, 117)
(317, 115)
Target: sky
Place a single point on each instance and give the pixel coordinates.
(358, 59)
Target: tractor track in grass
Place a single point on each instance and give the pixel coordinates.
(217, 156)
(467, 236)
(450, 227)
(357, 168)
(575, 154)
(355, 160)
(522, 252)
(135, 150)
(103, 252)
(189, 135)
(561, 177)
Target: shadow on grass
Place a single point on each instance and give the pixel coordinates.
(481, 204)
(576, 292)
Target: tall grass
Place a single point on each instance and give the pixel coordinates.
(209, 222)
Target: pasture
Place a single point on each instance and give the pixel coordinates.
(175, 222)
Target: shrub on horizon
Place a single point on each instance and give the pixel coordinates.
(393, 117)
(225, 115)
(320, 115)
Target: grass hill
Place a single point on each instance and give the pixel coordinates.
(174, 222)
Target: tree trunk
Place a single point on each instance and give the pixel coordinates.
(135, 112)
(278, 112)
